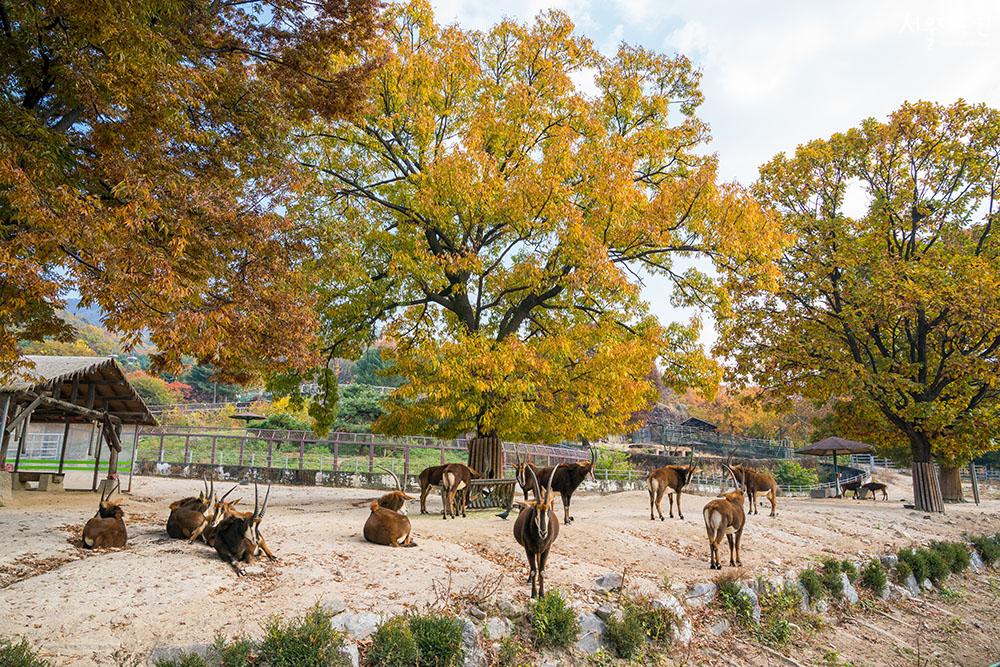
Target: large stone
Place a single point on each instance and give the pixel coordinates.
(350, 651)
(333, 605)
(605, 611)
(975, 562)
(911, 585)
(755, 601)
(681, 631)
(701, 594)
(473, 654)
(847, 589)
(357, 626)
(497, 628)
(889, 561)
(612, 581)
(591, 637)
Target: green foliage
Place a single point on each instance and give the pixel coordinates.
(775, 631)
(777, 605)
(360, 405)
(184, 660)
(309, 641)
(903, 571)
(734, 600)
(19, 654)
(393, 645)
(372, 369)
(154, 390)
(509, 653)
(830, 574)
(614, 463)
(554, 622)
(641, 621)
(873, 576)
(792, 473)
(205, 385)
(813, 583)
(955, 554)
(626, 635)
(988, 547)
(282, 421)
(850, 569)
(937, 566)
(438, 639)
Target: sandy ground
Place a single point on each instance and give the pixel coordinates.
(82, 607)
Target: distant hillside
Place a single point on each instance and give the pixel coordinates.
(89, 314)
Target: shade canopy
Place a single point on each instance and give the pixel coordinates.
(247, 416)
(834, 446)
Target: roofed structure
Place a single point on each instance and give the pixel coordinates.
(700, 424)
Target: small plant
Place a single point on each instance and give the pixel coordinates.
(917, 562)
(626, 635)
(903, 571)
(830, 574)
(438, 639)
(19, 654)
(850, 569)
(775, 632)
(553, 621)
(509, 653)
(988, 547)
(736, 601)
(937, 566)
(873, 576)
(641, 621)
(951, 595)
(308, 641)
(813, 584)
(955, 554)
(792, 473)
(393, 645)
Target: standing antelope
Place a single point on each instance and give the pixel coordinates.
(455, 478)
(757, 481)
(668, 479)
(725, 516)
(237, 538)
(535, 529)
(568, 479)
(429, 477)
(394, 500)
(107, 527)
(873, 487)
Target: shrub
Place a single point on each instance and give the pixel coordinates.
(776, 631)
(509, 653)
(832, 580)
(19, 655)
(641, 620)
(735, 600)
(850, 569)
(184, 660)
(937, 567)
(792, 473)
(813, 584)
(438, 639)
(309, 641)
(988, 547)
(553, 621)
(873, 576)
(903, 571)
(955, 555)
(916, 561)
(626, 635)
(393, 645)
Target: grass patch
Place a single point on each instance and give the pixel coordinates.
(553, 622)
(640, 621)
(813, 583)
(19, 654)
(955, 554)
(778, 606)
(510, 653)
(916, 563)
(830, 574)
(873, 576)
(438, 638)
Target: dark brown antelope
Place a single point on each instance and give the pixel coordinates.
(237, 538)
(535, 529)
(456, 480)
(670, 480)
(873, 487)
(568, 479)
(394, 500)
(388, 527)
(754, 482)
(724, 516)
(222, 510)
(189, 516)
(203, 499)
(429, 478)
(521, 473)
(106, 528)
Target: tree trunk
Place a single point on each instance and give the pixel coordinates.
(926, 487)
(486, 456)
(951, 485)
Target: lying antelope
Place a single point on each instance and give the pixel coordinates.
(388, 527)
(670, 480)
(222, 510)
(535, 529)
(568, 479)
(725, 516)
(189, 516)
(203, 499)
(106, 528)
(757, 481)
(429, 478)
(237, 538)
(394, 500)
(456, 480)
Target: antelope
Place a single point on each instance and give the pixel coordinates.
(237, 538)
(568, 479)
(668, 479)
(106, 528)
(189, 516)
(521, 474)
(850, 486)
(725, 516)
(757, 481)
(429, 477)
(454, 478)
(388, 527)
(873, 487)
(394, 500)
(226, 509)
(535, 529)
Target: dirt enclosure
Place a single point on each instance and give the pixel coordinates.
(80, 607)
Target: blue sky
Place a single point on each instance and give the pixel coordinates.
(777, 74)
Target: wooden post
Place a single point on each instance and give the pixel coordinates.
(62, 450)
(243, 444)
(270, 452)
(97, 458)
(486, 456)
(24, 441)
(406, 465)
(160, 457)
(135, 447)
(214, 438)
(371, 458)
(4, 411)
(187, 449)
(336, 456)
(441, 447)
(975, 481)
(302, 452)
(926, 488)
(113, 432)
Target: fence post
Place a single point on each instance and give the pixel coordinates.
(441, 446)
(214, 438)
(302, 452)
(160, 459)
(336, 456)
(406, 464)
(243, 444)
(270, 452)
(371, 458)
(187, 448)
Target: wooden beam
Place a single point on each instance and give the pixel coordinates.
(24, 413)
(72, 408)
(91, 391)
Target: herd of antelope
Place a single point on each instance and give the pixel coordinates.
(237, 539)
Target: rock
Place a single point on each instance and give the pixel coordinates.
(357, 626)
(803, 593)
(350, 651)
(847, 589)
(720, 628)
(476, 613)
(333, 606)
(473, 654)
(886, 593)
(822, 606)
(911, 585)
(681, 631)
(612, 581)
(701, 594)
(902, 591)
(746, 590)
(928, 586)
(497, 628)
(605, 611)
(889, 561)
(510, 610)
(591, 634)
(975, 562)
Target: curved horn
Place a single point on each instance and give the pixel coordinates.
(548, 491)
(399, 486)
(117, 489)
(736, 484)
(211, 490)
(226, 495)
(534, 480)
(256, 498)
(204, 480)
(263, 508)
(593, 454)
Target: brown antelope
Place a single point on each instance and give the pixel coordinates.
(106, 528)
(189, 516)
(521, 473)
(670, 480)
(568, 479)
(237, 538)
(535, 529)
(725, 516)
(757, 481)
(388, 527)
(429, 477)
(394, 500)
(221, 511)
(850, 486)
(455, 478)
(873, 487)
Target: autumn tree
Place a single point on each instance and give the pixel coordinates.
(144, 163)
(493, 220)
(894, 303)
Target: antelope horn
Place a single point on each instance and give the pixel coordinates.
(399, 486)
(117, 489)
(263, 508)
(256, 498)
(593, 453)
(204, 480)
(548, 491)
(235, 486)
(103, 492)
(736, 484)
(534, 480)
(211, 490)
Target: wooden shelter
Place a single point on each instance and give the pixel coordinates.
(834, 446)
(700, 425)
(67, 391)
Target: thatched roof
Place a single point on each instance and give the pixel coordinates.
(834, 445)
(100, 384)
